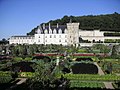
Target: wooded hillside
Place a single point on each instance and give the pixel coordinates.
(108, 22)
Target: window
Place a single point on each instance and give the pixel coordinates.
(39, 36)
(65, 40)
(38, 40)
(59, 36)
(54, 36)
(50, 36)
(59, 40)
(65, 36)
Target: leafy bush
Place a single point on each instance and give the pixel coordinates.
(5, 79)
(90, 77)
(26, 74)
(17, 59)
(79, 84)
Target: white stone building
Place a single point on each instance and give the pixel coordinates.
(21, 40)
(69, 34)
(51, 35)
(94, 35)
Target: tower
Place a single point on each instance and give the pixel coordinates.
(73, 34)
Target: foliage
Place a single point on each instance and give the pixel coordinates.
(42, 75)
(112, 34)
(26, 74)
(116, 51)
(82, 50)
(108, 22)
(4, 41)
(5, 77)
(92, 77)
(112, 41)
(115, 64)
(79, 84)
(103, 48)
(17, 59)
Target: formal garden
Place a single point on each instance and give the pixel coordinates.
(53, 67)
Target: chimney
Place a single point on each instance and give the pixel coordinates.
(57, 25)
(44, 26)
(49, 26)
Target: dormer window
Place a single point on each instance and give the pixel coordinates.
(50, 31)
(54, 31)
(60, 31)
(65, 31)
(46, 31)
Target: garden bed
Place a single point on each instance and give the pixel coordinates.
(84, 68)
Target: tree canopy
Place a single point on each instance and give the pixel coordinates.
(108, 22)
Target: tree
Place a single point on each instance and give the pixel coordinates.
(108, 22)
(43, 76)
(116, 51)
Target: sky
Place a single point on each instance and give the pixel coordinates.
(18, 17)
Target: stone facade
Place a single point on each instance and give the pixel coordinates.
(69, 34)
(73, 33)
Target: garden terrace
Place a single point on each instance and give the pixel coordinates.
(20, 67)
(83, 59)
(83, 54)
(84, 68)
(92, 77)
(89, 54)
(41, 57)
(48, 54)
(4, 57)
(82, 84)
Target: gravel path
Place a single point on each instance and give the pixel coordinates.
(108, 85)
(22, 80)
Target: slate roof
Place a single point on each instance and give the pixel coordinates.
(62, 27)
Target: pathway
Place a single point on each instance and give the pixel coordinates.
(22, 80)
(108, 85)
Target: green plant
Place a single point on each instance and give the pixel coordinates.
(93, 77)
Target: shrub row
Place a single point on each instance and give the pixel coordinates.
(25, 74)
(5, 79)
(79, 84)
(93, 77)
